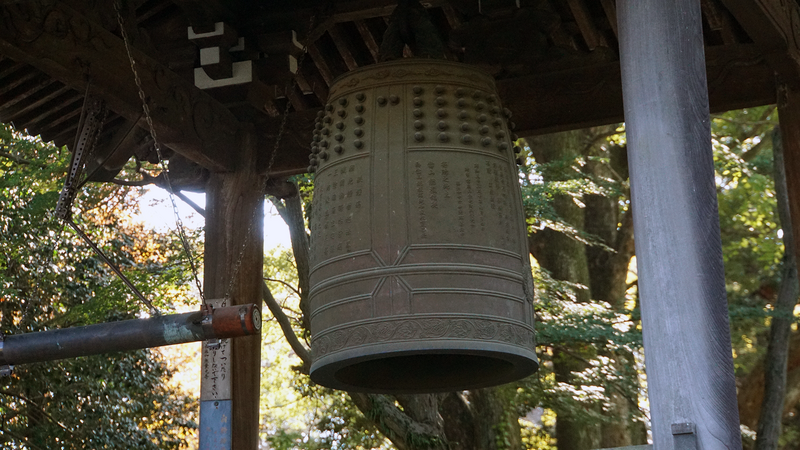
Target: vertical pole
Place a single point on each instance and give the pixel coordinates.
(234, 242)
(676, 223)
(789, 113)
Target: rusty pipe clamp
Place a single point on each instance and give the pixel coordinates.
(207, 323)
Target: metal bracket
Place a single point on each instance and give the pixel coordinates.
(208, 328)
(92, 117)
(5, 368)
(684, 436)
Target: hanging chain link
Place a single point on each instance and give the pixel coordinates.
(281, 131)
(146, 108)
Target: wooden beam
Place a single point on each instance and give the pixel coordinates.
(789, 113)
(341, 11)
(19, 77)
(23, 91)
(738, 77)
(69, 127)
(55, 89)
(771, 24)
(70, 48)
(234, 258)
(314, 80)
(204, 14)
(31, 119)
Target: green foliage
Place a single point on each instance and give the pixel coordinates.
(752, 248)
(295, 412)
(50, 279)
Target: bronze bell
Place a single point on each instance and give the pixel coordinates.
(420, 274)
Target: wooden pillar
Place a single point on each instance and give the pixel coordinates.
(789, 114)
(234, 221)
(687, 343)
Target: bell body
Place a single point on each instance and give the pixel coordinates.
(420, 278)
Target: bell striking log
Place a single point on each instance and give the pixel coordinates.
(225, 322)
(420, 278)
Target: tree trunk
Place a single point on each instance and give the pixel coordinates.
(769, 424)
(496, 422)
(608, 272)
(565, 259)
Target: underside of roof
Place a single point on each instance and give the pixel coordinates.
(556, 63)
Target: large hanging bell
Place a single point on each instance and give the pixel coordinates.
(420, 278)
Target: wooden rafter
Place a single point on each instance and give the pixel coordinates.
(718, 20)
(39, 98)
(340, 40)
(24, 91)
(610, 8)
(37, 115)
(322, 65)
(369, 39)
(187, 119)
(591, 35)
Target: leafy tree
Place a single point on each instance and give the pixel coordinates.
(590, 388)
(50, 279)
(485, 418)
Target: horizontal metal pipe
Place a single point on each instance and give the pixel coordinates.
(219, 323)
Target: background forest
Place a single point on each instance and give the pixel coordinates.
(589, 393)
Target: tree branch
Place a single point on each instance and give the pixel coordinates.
(299, 349)
(394, 423)
(291, 211)
(189, 202)
(41, 409)
(21, 439)
(287, 285)
(136, 183)
(15, 158)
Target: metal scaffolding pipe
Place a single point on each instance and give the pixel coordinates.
(210, 323)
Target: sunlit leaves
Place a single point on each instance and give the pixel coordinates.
(50, 279)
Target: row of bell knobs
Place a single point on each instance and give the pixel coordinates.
(479, 121)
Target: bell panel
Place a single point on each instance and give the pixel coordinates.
(456, 201)
(341, 211)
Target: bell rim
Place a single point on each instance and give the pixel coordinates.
(524, 363)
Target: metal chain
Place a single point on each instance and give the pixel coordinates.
(162, 163)
(281, 132)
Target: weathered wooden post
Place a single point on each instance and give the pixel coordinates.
(233, 248)
(789, 113)
(681, 281)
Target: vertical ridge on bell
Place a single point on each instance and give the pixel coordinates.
(398, 139)
(380, 164)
